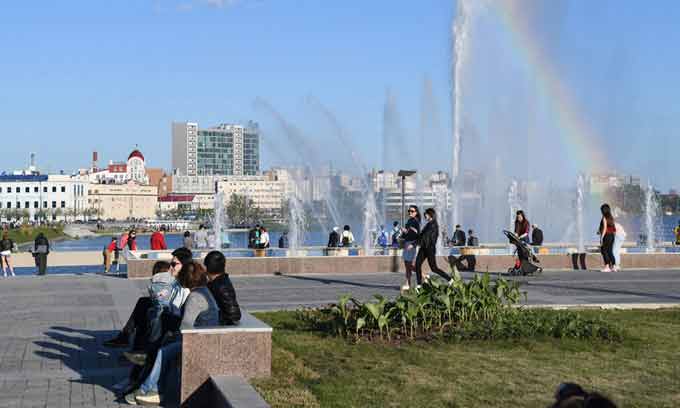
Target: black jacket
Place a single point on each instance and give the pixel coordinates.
(537, 237)
(459, 238)
(473, 241)
(225, 296)
(429, 235)
(6, 244)
(41, 240)
(333, 240)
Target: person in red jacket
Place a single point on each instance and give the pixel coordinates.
(158, 240)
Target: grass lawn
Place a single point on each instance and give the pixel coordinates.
(28, 234)
(311, 369)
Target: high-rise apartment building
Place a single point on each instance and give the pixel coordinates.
(228, 150)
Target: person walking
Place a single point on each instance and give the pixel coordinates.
(347, 237)
(522, 226)
(41, 248)
(409, 234)
(607, 233)
(109, 252)
(157, 241)
(428, 247)
(676, 231)
(6, 246)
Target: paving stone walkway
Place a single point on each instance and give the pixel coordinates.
(52, 328)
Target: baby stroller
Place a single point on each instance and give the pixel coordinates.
(527, 261)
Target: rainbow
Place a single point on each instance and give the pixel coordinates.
(580, 140)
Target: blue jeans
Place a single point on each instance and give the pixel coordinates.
(164, 361)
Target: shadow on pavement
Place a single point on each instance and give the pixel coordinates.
(327, 281)
(82, 351)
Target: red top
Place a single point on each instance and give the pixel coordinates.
(158, 242)
(111, 247)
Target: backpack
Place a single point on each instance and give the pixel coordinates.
(345, 239)
(382, 239)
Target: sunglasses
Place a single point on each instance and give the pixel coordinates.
(174, 264)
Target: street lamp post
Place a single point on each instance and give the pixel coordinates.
(403, 174)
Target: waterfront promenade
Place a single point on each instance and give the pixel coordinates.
(52, 328)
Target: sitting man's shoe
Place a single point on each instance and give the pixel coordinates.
(119, 341)
(131, 398)
(151, 398)
(135, 358)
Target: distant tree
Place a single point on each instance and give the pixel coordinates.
(241, 210)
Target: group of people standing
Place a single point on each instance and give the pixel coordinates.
(338, 239)
(258, 237)
(128, 242)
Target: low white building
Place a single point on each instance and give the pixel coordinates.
(34, 196)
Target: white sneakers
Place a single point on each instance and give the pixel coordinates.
(605, 269)
(616, 268)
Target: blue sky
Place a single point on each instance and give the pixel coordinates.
(77, 76)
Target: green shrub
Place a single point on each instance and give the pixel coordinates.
(480, 308)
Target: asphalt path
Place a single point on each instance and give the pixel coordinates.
(567, 288)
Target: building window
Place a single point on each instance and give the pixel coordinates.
(63, 189)
(63, 204)
(54, 204)
(9, 204)
(18, 204)
(9, 189)
(36, 189)
(28, 189)
(54, 189)
(36, 204)
(44, 189)
(44, 204)
(27, 204)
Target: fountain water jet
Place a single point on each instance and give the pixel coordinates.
(460, 50)
(580, 186)
(651, 208)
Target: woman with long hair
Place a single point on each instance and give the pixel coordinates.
(522, 226)
(428, 247)
(409, 234)
(607, 233)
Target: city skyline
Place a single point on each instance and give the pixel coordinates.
(110, 78)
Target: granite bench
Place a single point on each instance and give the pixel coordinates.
(242, 351)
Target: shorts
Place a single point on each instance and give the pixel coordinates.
(409, 254)
(6, 254)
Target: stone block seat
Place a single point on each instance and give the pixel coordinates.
(241, 351)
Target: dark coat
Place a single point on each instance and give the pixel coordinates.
(225, 296)
(429, 235)
(333, 240)
(459, 238)
(537, 237)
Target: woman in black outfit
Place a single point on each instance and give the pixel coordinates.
(409, 234)
(607, 232)
(428, 246)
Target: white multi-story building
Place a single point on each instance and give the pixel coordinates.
(37, 196)
(267, 194)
